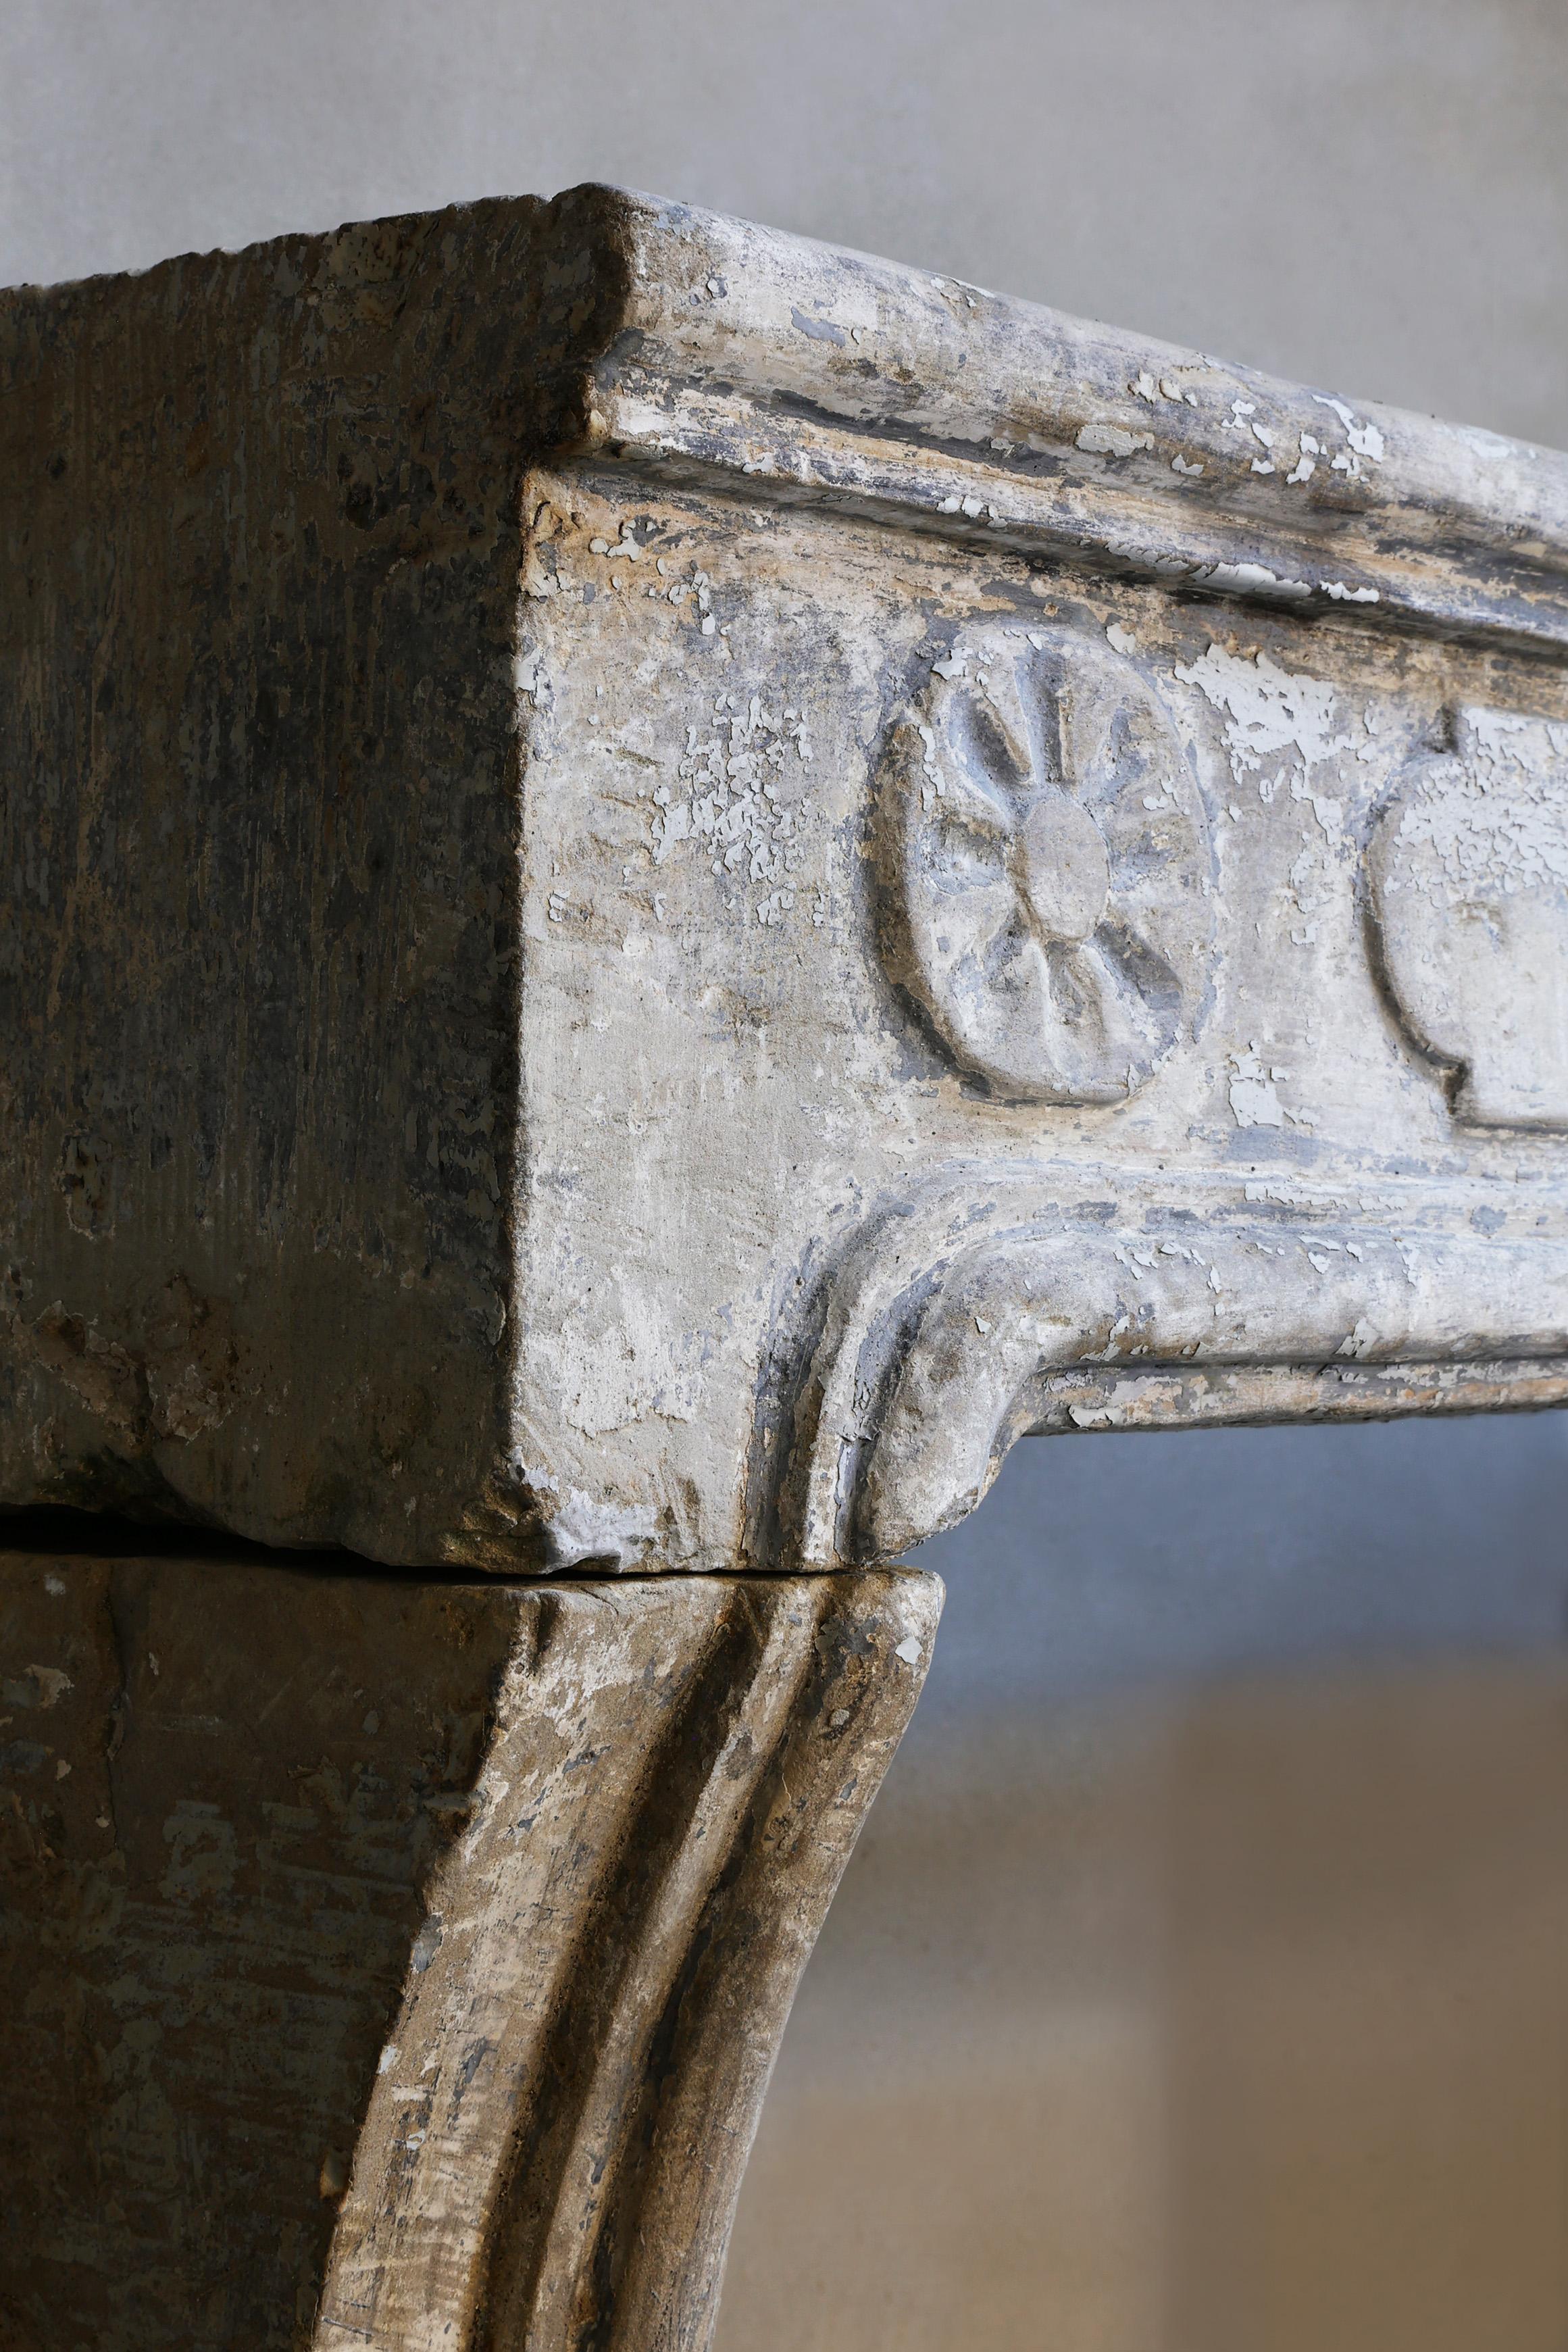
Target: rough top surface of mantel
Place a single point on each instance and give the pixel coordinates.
(660, 883)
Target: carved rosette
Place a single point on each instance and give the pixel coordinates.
(1467, 874)
(1045, 867)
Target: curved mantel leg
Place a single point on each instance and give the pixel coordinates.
(403, 1963)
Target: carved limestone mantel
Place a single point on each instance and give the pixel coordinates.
(665, 882)
(660, 886)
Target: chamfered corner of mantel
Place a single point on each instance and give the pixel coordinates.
(662, 883)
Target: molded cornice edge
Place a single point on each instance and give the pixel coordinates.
(804, 371)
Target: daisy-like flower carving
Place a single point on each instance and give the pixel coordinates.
(1045, 867)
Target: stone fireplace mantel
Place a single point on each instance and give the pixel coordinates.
(662, 885)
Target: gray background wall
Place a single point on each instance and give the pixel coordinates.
(1371, 194)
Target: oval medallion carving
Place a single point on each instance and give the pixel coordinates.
(1468, 868)
(1045, 870)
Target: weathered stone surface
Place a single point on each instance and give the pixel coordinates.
(596, 797)
(1468, 873)
(402, 1963)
